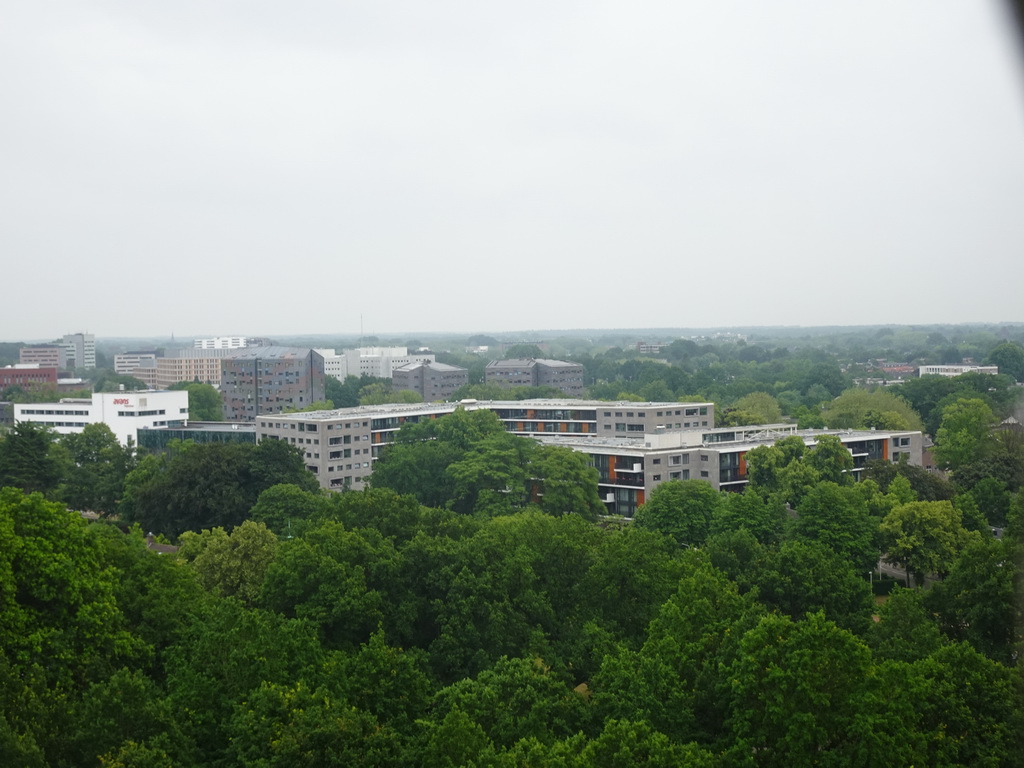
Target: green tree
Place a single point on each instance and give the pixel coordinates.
(864, 409)
(282, 506)
(755, 408)
(837, 516)
(906, 630)
(231, 565)
(803, 577)
(964, 430)
(979, 601)
(98, 467)
(831, 460)
(797, 694)
(27, 458)
(923, 537)
(1009, 356)
(682, 509)
(749, 510)
(59, 620)
(515, 699)
(204, 401)
(209, 485)
(567, 482)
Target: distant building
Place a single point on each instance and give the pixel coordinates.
(230, 342)
(79, 350)
(955, 370)
(124, 412)
(27, 376)
(341, 445)
(432, 381)
(650, 348)
(379, 362)
(566, 377)
(44, 355)
(634, 446)
(126, 362)
(260, 380)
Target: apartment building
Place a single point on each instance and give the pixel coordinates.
(124, 412)
(432, 381)
(261, 380)
(341, 445)
(631, 468)
(530, 372)
(634, 446)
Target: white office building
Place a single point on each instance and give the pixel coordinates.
(124, 412)
(956, 370)
(379, 362)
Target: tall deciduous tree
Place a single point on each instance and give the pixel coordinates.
(231, 564)
(924, 537)
(204, 401)
(98, 467)
(27, 459)
(682, 509)
(965, 427)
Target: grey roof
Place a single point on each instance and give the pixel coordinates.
(428, 364)
(269, 353)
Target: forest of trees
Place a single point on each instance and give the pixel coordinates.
(473, 608)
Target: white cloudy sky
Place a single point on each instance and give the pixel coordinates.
(259, 167)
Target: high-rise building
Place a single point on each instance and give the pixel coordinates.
(80, 350)
(259, 380)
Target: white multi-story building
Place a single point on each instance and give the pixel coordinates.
(379, 362)
(124, 412)
(955, 370)
(222, 342)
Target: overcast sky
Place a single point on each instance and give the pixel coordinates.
(209, 168)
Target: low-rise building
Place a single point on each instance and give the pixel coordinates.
(341, 445)
(27, 376)
(955, 370)
(124, 412)
(432, 381)
(157, 439)
(634, 446)
(125, 363)
(44, 355)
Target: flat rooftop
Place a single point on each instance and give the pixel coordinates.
(407, 409)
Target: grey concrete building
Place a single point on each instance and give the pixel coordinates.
(259, 380)
(634, 446)
(567, 377)
(432, 381)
